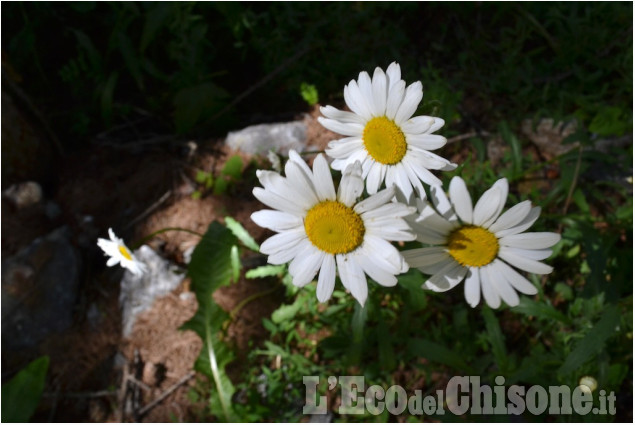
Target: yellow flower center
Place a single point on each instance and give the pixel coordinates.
(473, 246)
(334, 228)
(384, 140)
(125, 252)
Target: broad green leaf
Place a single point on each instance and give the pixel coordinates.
(496, 339)
(541, 310)
(358, 323)
(593, 342)
(387, 359)
(21, 395)
(437, 353)
(412, 281)
(211, 268)
(233, 167)
(264, 271)
(241, 233)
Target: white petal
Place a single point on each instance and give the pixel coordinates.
(322, 179)
(438, 123)
(522, 226)
(305, 265)
(427, 142)
(412, 97)
(375, 271)
(326, 280)
(447, 278)
(373, 181)
(297, 178)
(345, 147)
(366, 89)
(359, 104)
(472, 288)
(342, 116)
(526, 264)
(517, 280)
(437, 267)
(351, 185)
(489, 292)
(503, 187)
(275, 201)
(414, 179)
(352, 277)
(288, 253)
(532, 254)
(375, 201)
(393, 73)
(395, 96)
(112, 235)
(421, 257)
(534, 240)
(112, 261)
(416, 162)
(486, 207)
(511, 217)
(391, 258)
(416, 126)
(402, 181)
(277, 221)
(282, 241)
(500, 284)
(380, 91)
(442, 203)
(347, 129)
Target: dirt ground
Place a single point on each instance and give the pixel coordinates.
(95, 374)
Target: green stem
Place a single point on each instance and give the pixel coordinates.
(249, 299)
(167, 229)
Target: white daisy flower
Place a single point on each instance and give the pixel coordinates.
(479, 244)
(321, 229)
(119, 253)
(382, 135)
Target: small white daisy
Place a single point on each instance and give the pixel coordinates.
(321, 229)
(479, 244)
(382, 135)
(119, 253)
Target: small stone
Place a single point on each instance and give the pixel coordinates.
(138, 293)
(260, 139)
(23, 195)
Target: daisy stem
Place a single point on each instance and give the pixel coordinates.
(251, 298)
(167, 229)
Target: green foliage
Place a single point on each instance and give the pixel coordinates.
(309, 93)
(210, 268)
(21, 395)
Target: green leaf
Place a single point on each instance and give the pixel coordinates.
(220, 186)
(517, 154)
(412, 281)
(21, 395)
(107, 95)
(309, 93)
(233, 167)
(593, 342)
(437, 353)
(496, 339)
(209, 269)
(541, 310)
(264, 271)
(288, 311)
(236, 265)
(241, 233)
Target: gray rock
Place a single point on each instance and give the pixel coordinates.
(23, 195)
(139, 292)
(39, 290)
(260, 139)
